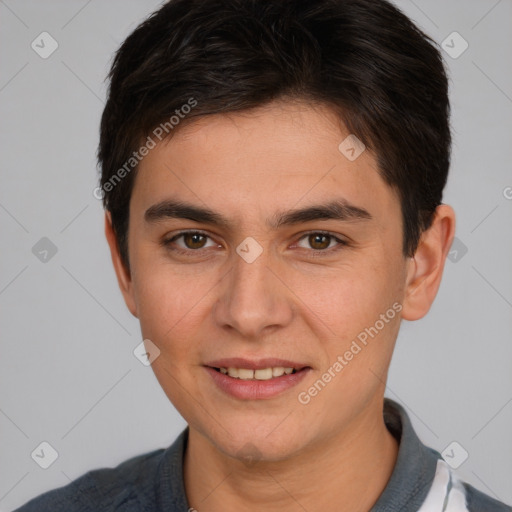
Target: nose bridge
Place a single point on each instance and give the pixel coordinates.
(252, 298)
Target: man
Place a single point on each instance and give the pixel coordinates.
(272, 174)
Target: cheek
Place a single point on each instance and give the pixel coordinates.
(170, 307)
(168, 302)
(355, 304)
(347, 297)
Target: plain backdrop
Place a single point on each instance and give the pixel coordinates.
(68, 375)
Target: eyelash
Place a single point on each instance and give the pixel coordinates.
(317, 252)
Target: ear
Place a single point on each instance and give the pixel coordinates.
(123, 274)
(426, 266)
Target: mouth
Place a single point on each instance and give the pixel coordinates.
(248, 379)
(261, 374)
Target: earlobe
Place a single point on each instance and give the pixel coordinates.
(425, 269)
(123, 274)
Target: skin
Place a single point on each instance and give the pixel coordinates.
(290, 303)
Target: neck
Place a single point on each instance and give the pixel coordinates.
(350, 468)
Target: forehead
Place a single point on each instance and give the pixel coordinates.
(268, 159)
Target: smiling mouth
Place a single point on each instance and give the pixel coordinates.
(260, 374)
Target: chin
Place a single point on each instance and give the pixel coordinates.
(257, 445)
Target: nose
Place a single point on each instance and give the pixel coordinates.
(252, 300)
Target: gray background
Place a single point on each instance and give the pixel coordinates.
(67, 372)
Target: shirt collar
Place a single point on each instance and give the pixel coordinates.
(415, 466)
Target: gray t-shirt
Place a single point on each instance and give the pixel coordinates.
(153, 482)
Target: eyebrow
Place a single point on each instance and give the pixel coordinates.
(339, 209)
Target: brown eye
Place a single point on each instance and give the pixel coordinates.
(194, 240)
(319, 241)
(189, 241)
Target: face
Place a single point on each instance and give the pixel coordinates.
(256, 244)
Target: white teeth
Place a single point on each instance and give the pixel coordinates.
(261, 374)
(277, 371)
(233, 372)
(264, 374)
(245, 374)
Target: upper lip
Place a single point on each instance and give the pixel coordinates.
(255, 364)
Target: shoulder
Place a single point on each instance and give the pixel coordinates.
(422, 481)
(124, 487)
(450, 494)
(477, 501)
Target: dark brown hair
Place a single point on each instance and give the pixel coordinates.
(364, 58)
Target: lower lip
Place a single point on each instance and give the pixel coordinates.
(256, 389)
